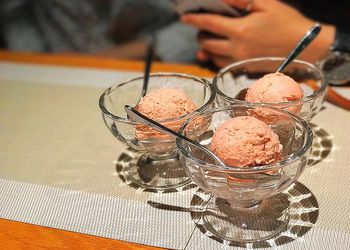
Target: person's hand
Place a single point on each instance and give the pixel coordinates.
(272, 28)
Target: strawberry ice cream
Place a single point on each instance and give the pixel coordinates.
(163, 104)
(245, 141)
(274, 87)
(166, 103)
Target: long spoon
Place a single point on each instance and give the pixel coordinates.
(137, 116)
(303, 43)
(148, 64)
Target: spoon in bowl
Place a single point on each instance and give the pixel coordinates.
(137, 116)
(303, 43)
(148, 64)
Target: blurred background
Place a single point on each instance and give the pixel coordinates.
(122, 28)
(111, 28)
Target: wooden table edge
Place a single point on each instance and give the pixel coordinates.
(20, 235)
(89, 61)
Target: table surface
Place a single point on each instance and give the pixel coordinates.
(331, 226)
(17, 235)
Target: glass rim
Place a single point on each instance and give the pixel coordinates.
(117, 118)
(304, 99)
(229, 169)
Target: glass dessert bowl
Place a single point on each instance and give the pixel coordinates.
(247, 203)
(156, 167)
(233, 81)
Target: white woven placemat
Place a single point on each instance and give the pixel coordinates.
(57, 167)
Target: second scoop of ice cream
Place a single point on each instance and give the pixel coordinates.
(274, 87)
(165, 103)
(161, 105)
(245, 141)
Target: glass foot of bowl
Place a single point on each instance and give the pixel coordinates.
(153, 174)
(251, 207)
(153, 170)
(252, 224)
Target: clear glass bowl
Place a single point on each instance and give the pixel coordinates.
(232, 82)
(247, 204)
(158, 167)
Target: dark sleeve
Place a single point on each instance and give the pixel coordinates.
(342, 39)
(136, 18)
(2, 41)
(18, 28)
(330, 12)
(177, 43)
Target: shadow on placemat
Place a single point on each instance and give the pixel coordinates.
(322, 145)
(302, 204)
(165, 179)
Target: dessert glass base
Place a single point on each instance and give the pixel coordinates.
(152, 172)
(259, 222)
(250, 205)
(303, 210)
(155, 166)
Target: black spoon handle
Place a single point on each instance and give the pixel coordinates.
(304, 42)
(137, 116)
(148, 64)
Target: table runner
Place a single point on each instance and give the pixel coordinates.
(58, 167)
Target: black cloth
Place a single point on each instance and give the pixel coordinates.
(332, 12)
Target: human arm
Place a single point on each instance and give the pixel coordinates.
(272, 28)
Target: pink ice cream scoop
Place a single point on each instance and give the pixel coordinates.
(163, 104)
(245, 141)
(274, 87)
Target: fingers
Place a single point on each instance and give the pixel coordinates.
(251, 5)
(219, 61)
(216, 24)
(213, 44)
(203, 56)
(222, 61)
(242, 4)
(219, 47)
(203, 35)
